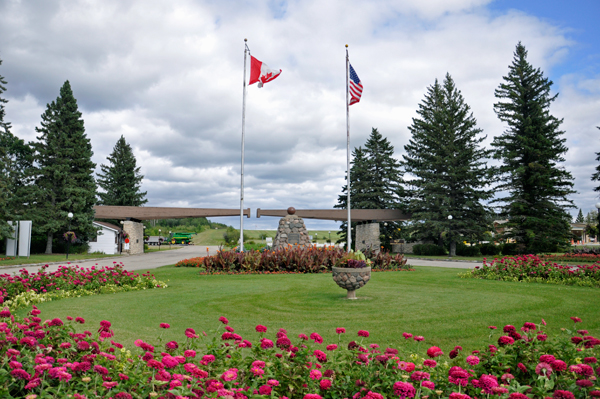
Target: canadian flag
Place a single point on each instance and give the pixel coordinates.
(261, 73)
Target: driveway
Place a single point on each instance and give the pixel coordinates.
(444, 263)
(143, 262)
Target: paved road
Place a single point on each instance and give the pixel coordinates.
(444, 263)
(152, 260)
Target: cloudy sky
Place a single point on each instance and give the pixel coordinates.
(168, 76)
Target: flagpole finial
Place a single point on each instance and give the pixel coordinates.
(346, 46)
(247, 40)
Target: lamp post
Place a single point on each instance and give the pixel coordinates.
(452, 243)
(70, 216)
(170, 239)
(144, 232)
(598, 234)
(159, 239)
(330, 237)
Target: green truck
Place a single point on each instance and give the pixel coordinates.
(181, 238)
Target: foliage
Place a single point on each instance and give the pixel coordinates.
(591, 223)
(576, 256)
(375, 179)
(231, 236)
(225, 364)
(449, 165)
(63, 172)
(428, 249)
(531, 268)
(490, 249)
(531, 150)
(68, 279)
(121, 179)
(467, 250)
(293, 259)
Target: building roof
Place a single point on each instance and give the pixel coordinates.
(109, 226)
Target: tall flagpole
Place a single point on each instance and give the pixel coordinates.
(349, 233)
(246, 51)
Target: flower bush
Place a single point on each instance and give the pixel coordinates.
(293, 259)
(532, 268)
(26, 288)
(48, 359)
(573, 257)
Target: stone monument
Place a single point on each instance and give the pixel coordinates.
(291, 231)
(367, 237)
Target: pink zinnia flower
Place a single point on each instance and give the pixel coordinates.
(363, 333)
(560, 394)
(419, 338)
(407, 335)
(258, 363)
(110, 385)
(316, 337)
(584, 383)
(420, 376)
(428, 384)
(404, 389)
(20, 374)
(266, 343)
(430, 363)
(190, 333)
(273, 383)
(265, 390)
(488, 382)
(223, 320)
(261, 329)
(164, 325)
(331, 347)
(434, 351)
(576, 319)
(169, 362)
(303, 337)
(230, 375)
(172, 345)
(189, 353)
(340, 330)
(325, 384)
(406, 366)
(312, 396)
(315, 374)
(505, 340)
(320, 355)
(473, 360)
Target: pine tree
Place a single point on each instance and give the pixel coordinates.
(596, 175)
(375, 183)
(448, 165)
(579, 218)
(121, 179)
(63, 173)
(531, 150)
(5, 193)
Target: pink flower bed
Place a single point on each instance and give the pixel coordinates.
(70, 278)
(51, 358)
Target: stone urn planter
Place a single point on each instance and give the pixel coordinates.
(351, 279)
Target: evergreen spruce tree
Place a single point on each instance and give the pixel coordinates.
(63, 172)
(15, 161)
(596, 175)
(449, 168)
(121, 179)
(531, 150)
(375, 183)
(579, 218)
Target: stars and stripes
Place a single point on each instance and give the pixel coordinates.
(354, 86)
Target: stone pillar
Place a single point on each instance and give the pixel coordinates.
(367, 236)
(291, 231)
(136, 237)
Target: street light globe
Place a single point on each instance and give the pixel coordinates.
(597, 205)
(70, 215)
(449, 217)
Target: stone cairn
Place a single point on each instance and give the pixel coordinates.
(291, 231)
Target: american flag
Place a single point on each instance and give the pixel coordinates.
(355, 87)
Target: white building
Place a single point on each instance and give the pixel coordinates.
(107, 240)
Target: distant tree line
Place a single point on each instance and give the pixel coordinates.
(444, 179)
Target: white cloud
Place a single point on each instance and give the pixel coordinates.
(168, 76)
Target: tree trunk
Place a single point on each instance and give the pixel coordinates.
(49, 244)
(452, 248)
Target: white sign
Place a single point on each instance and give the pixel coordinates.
(11, 243)
(25, 237)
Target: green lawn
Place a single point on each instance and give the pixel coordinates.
(433, 302)
(43, 258)
(215, 236)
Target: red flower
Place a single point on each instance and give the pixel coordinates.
(316, 337)
(575, 320)
(363, 333)
(505, 340)
(404, 389)
(434, 351)
(419, 338)
(407, 335)
(340, 330)
(164, 325)
(320, 355)
(265, 390)
(325, 384)
(560, 394)
(584, 383)
(543, 369)
(223, 320)
(261, 329)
